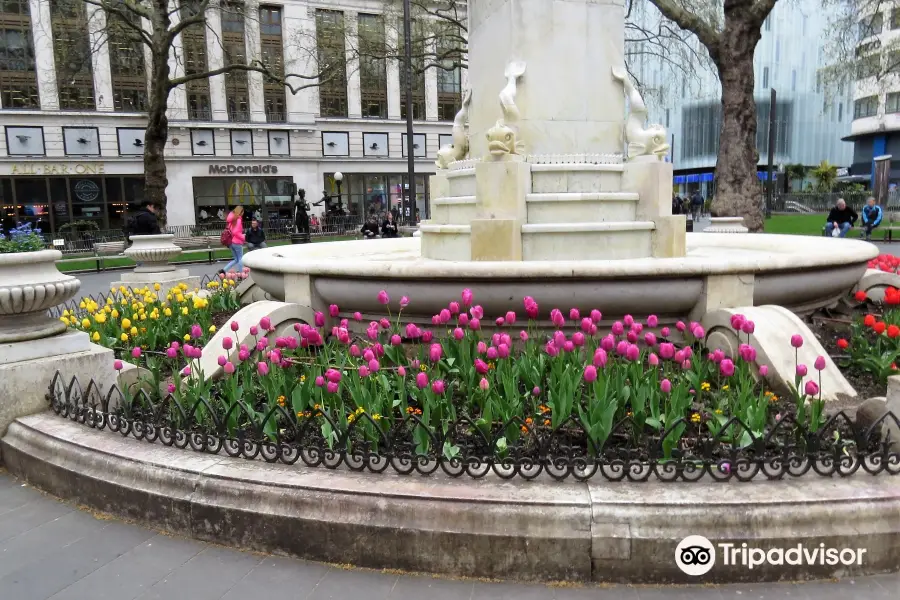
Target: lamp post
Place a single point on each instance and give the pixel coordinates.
(339, 179)
(770, 179)
(408, 203)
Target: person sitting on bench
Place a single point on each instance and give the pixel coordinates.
(871, 216)
(841, 218)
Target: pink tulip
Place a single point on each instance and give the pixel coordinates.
(652, 321)
(396, 340)
(374, 365)
(477, 312)
(482, 348)
(221, 361)
(632, 353)
(427, 336)
(254, 331)
(631, 336)
(484, 385)
(436, 319)
(363, 371)
(557, 317)
(698, 332)
(438, 386)
(510, 318)
(401, 371)
(422, 381)
(118, 365)
(665, 386)
(320, 319)
(600, 358)
(665, 331)
(667, 350)
(334, 311)
(622, 348)
(578, 339)
(820, 363)
(653, 360)
(357, 316)
(320, 381)
(680, 326)
(569, 346)
(244, 355)
(718, 355)
(499, 321)
(229, 367)
(368, 355)
(590, 374)
(796, 340)
(748, 327)
(536, 391)
(385, 324)
(372, 334)
(463, 319)
(649, 339)
(618, 328)
(574, 315)
(679, 356)
(608, 343)
(227, 343)
(458, 334)
(552, 349)
(531, 309)
(481, 367)
(383, 297)
(172, 353)
(235, 326)
(475, 324)
(523, 335)
(737, 321)
(629, 320)
(454, 308)
(811, 388)
(688, 352)
(444, 315)
(355, 352)
(559, 338)
(763, 371)
(686, 365)
(596, 316)
(332, 387)
(637, 327)
(492, 353)
(263, 368)
(333, 375)
(726, 367)
(186, 372)
(412, 331)
(171, 388)
(196, 331)
(435, 352)
(135, 352)
(801, 370)
(467, 297)
(404, 301)
(265, 323)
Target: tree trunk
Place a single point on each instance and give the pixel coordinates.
(155, 180)
(738, 191)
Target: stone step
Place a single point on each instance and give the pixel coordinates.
(461, 182)
(454, 209)
(440, 241)
(605, 240)
(559, 178)
(575, 207)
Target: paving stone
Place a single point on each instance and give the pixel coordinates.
(409, 587)
(60, 569)
(512, 591)
(207, 576)
(38, 542)
(134, 572)
(36, 512)
(347, 584)
(13, 494)
(280, 578)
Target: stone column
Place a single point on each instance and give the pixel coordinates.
(431, 90)
(216, 60)
(103, 91)
(42, 34)
(652, 180)
(394, 93)
(177, 109)
(568, 100)
(253, 44)
(295, 32)
(501, 187)
(354, 96)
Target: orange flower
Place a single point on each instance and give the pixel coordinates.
(869, 321)
(860, 296)
(843, 344)
(893, 331)
(879, 327)
(546, 422)
(528, 421)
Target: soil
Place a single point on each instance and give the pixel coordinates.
(221, 318)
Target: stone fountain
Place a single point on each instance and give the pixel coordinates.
(555, 187)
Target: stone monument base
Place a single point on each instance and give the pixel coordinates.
(166, 279)
(26, 369)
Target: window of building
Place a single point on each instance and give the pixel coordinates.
(417, 56)
(892, 103)
(895, 18)
(840, 112)
(237, 95)
(765, 77)
(893, 61)
(868, 66)
(870, 26)
(126, 62)
(449, 74)
(193, 43)
(18, 76)
(865, 107)
(793, 80)
(372, 66)
(768, 23)
(273, 57)
(72, 53)
(332, 61)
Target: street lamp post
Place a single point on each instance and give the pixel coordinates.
(770, 179)
(408, 201)
(339, 179)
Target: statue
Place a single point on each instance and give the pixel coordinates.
(641, 140)
(460, 146)
(300, 211)
(502, 138)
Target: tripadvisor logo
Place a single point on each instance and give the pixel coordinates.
(695, 555)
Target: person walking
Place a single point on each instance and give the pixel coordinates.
(871, 216)
(256, 237)
(369, 231)
(389, 227)
(840, 219)
(234, 224)
(697, 205)
(143, 222)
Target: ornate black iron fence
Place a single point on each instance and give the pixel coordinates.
(682, 451)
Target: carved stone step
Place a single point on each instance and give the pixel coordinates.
(576, 207)
(607, 240)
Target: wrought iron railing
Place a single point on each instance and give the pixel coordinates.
(239, 116)
(277, 434)
(199, 114)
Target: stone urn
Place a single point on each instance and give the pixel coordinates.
(152, 253)
(726, 225)
(30, 284)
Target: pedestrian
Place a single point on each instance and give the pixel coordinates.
(676, 204)
(697, 205)
(871, 216)
(234, 234)
(256, 237)
(840, 219)
(143, 222)
(389, 227)
(369, 231)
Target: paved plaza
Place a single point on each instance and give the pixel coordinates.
(50, 549)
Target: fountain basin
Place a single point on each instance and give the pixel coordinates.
(720, 270)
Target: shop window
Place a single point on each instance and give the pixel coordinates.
(31, 202)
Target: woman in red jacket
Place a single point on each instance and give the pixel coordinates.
(235, 223)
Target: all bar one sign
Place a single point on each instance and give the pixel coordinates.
(57, 169)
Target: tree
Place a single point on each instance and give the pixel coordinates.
(826, 177)
(793, 173)
(730, 32)
(156, 25)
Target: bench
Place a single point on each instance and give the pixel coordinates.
(107, 248)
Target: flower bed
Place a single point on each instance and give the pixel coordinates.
(472, 401)
(885, 262)
(137, 318)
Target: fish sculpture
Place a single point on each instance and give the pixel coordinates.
(502, 137)
(641, 140)
(460, 146)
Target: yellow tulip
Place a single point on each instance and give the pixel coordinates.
(184, 310)
(82, 305)
(96, 336)
(157, 287)
(126, 324)
(179, 298)
(86, 324)
(107, 310)
(64, 320)
(168, 312)
(115, 314)
(133, 331)
(187, 337)
(212, 328)
(124, 337)
(123, 289)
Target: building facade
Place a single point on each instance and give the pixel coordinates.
(810, 122)
(875, 130)
(72, 131)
